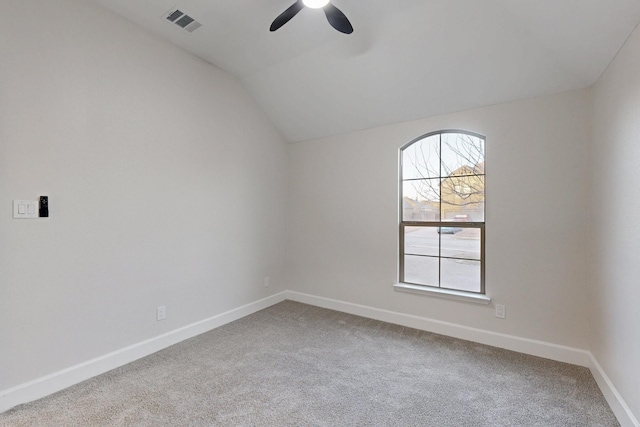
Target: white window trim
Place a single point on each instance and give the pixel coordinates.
(443, 293)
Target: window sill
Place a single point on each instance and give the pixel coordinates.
(443, 293)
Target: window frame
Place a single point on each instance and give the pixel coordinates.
(403, 224)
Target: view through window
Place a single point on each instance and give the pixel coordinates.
(442, 206)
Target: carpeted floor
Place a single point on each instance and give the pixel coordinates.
(298, 365)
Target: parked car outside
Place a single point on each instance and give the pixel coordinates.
(454, 230)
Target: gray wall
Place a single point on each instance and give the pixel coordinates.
(615, 178)
(167, 186)
(343, 225)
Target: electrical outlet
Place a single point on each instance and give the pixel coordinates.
(501, 311)
(266, 282)
(161, 312)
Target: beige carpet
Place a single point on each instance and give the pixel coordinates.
(298, 365)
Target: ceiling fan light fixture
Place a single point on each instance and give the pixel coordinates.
(315, 4)
(336, 18)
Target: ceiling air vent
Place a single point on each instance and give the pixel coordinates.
(183, 20)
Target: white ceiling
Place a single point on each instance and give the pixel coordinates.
(406, 59)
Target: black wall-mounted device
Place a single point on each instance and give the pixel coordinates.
(44, 206)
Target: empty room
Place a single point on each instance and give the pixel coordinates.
(312, 213)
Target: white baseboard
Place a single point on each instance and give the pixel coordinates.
(522, 345)
(615, 400)
(60, 380)
(510, 342)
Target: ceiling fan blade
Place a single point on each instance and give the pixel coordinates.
(285, 16)
(337, 19)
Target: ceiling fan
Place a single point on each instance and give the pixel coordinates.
(336, 18)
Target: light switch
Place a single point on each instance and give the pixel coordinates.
(25, 209)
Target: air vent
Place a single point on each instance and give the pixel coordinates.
(183, 20)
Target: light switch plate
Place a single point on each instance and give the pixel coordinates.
(25, 209)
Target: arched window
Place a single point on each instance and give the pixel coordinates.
(442, 206)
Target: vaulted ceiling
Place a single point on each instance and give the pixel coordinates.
(406, 59)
